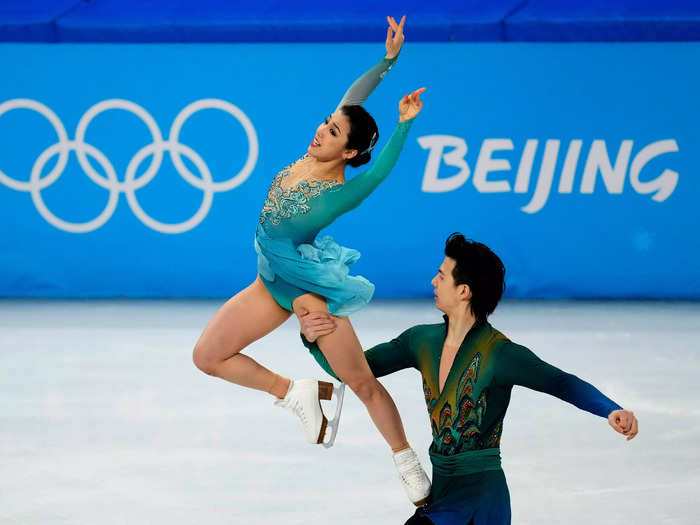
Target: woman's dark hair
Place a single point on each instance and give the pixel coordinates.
(363, 134)
(480, 269)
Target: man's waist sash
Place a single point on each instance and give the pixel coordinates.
(468, 462)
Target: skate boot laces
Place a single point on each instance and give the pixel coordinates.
(303, 399)
(295, 406)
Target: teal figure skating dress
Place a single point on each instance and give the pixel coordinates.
(466, 417)
(291, 260)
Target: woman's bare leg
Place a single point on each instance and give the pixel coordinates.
(344, 353)
(245, 318)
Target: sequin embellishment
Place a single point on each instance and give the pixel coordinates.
(285, 203)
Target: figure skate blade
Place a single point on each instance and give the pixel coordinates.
(339, 392)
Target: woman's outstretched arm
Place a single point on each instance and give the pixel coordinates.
(363, 86)
(354, 191)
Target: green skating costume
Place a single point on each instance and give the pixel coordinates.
(466, 417)
(292, 260)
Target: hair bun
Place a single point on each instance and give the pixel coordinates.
(360, 159)
(363, 134)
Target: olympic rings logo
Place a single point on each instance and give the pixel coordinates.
(131, 183)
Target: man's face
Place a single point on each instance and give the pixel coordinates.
(448, 295)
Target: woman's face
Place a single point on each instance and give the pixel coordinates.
(331, 138)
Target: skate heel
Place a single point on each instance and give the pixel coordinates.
(322, 433)
(325, 390)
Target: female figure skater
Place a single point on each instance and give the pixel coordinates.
(299, 273)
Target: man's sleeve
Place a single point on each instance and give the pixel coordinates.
(517, 365)
(383, 359)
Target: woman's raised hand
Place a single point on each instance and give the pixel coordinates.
(394, 36)
(410, 105)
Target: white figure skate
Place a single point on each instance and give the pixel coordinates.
(414, 479)
(304, 399)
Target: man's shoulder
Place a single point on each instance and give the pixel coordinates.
(424, 330)
(497, 337)
(503, 343)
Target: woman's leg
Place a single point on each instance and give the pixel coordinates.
(246, 317)
(344, 353)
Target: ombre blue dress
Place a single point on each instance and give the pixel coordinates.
(292, 261)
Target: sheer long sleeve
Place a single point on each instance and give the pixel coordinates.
(354, 191)
(363, 86)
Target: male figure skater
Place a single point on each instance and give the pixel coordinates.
(469, 369)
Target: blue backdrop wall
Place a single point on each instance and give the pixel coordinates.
(140, 170)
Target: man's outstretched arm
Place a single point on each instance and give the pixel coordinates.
(518, 365)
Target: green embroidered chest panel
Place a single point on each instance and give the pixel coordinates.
(458, 413)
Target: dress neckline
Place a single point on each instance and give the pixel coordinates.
(330, 182)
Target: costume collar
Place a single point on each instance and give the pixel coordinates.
(477, 326)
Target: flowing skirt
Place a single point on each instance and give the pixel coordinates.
(289, 271)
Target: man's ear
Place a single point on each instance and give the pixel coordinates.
(465, 293)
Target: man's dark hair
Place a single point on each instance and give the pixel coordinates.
(363, 134)
(480, 269)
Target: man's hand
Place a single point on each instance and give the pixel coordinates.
(394, 37)
(316, 324)
(624, 422)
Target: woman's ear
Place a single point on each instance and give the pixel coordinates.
(349, 154)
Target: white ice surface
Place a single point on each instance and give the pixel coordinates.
(104, 420)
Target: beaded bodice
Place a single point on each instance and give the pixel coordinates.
(284, 203)
(301, 210)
